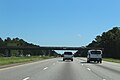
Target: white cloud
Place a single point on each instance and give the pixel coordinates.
(80, 36)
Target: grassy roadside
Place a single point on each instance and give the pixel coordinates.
(12, 60)
(112, 60)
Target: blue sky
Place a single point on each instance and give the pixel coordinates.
(58, 22)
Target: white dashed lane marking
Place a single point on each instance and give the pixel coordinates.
(27, 78)
(53, 63)
(89, 69)
(45, 68)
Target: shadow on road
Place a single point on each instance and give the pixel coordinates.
(85, 62)
(65, 61)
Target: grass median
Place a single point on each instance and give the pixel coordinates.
(13, 60)
(112, 60)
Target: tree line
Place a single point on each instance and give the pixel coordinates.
(109, 40)
(21, 43)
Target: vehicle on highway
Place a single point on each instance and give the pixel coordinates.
(94, 55)
(68, 56)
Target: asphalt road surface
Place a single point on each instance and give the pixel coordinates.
(56, 69)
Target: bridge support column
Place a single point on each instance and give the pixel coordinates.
(49, 52)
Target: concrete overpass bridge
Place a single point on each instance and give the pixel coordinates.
(9, 48)
(46, 48)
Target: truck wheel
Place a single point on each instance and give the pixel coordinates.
(71, 59)
(88, 61)
(100, 61)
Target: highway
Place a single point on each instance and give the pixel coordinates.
(56, 69)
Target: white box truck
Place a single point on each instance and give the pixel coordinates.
(94, 55)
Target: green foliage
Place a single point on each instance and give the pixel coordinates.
(112, 60)
(81, 53)
(21, 43)
(110, 41)
(12, 60)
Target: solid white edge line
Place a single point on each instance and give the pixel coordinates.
(26, 78)
(16, 66)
